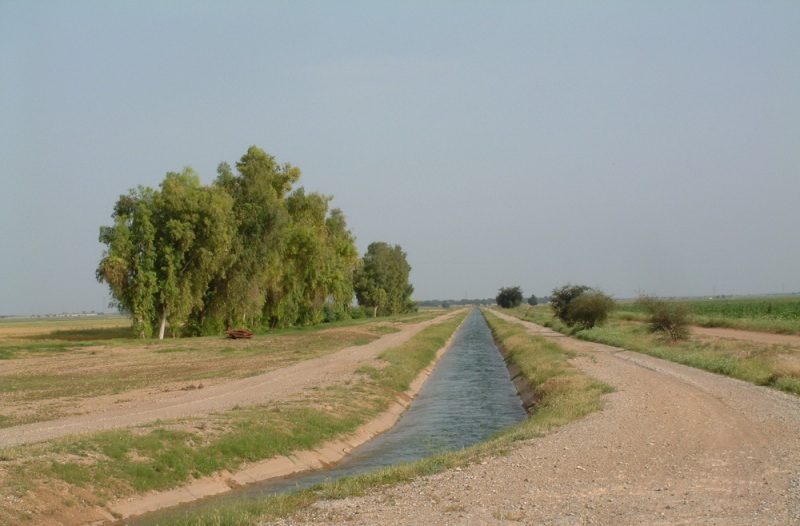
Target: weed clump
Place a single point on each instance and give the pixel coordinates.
(581, 306)
(669, 317)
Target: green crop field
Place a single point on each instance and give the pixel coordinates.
(780, 314)
(750, 308)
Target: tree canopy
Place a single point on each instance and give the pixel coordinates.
(381, 283)
(581, 305)
(509, 297)
(247, 251)
(164, 249)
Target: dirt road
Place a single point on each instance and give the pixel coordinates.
(274, 385)
(674, 445)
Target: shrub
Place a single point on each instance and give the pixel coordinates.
(532, 301)
(669, 317)
(589, 309)
(563, 296)
(509, 297)
(358, 313)
(331, 313)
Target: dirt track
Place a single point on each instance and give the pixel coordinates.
(675, 445)
(274, 385)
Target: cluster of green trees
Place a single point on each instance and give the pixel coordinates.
(246, 251)
(575, 305)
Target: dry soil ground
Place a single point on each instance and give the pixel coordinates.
(147, 405)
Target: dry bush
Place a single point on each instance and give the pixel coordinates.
(669, 317)
(787, 366)
(589, 309)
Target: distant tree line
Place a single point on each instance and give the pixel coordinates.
(455, 303)
(246, 251)
(531, 300)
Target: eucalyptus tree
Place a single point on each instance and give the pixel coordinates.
(245, 251)
(164, 249)
(382, 283)
(344, 260)
(319, 260)
(247, 292)
(195, 231)
(129, 260)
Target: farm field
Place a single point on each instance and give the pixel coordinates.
(734, 348)
(53, 368)
(779, 314)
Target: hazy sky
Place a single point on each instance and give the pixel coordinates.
(635, 146)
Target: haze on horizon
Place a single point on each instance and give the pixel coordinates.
(631, 146)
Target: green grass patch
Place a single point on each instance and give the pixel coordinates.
(407, 361)
(758, 363)
(16, 348)
(162, 458)
(88, 334)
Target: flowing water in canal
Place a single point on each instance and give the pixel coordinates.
(468, 397)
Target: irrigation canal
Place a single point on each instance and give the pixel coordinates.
(468, 397)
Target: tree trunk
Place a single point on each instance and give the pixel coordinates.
(163, 324)
(375, 312)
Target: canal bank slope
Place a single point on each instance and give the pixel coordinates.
(674, 445)
(325, 455)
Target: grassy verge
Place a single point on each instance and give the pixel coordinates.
(770, 365)
(564, 394)
(123, 463)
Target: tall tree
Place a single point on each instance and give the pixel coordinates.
(129, 261)
(344, 262)
(320, 258)
(195, 229)
(509, 297)
(246, 251)
(247, 294)
(306, 259)
(164, 249)
(382, 281)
